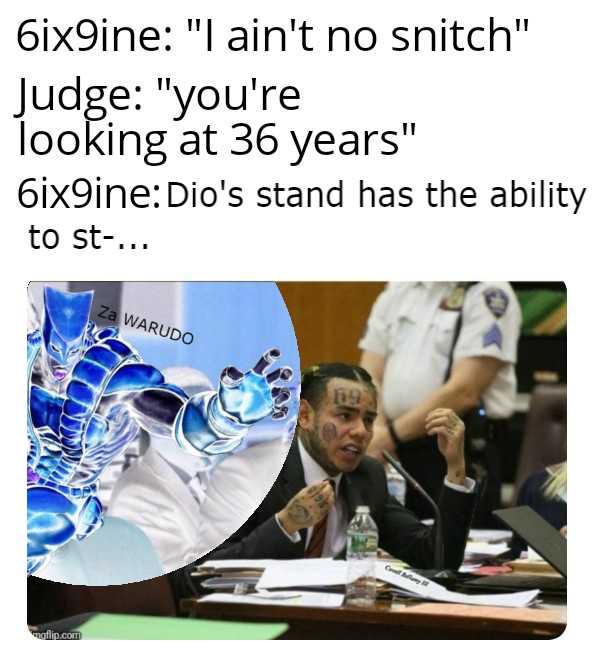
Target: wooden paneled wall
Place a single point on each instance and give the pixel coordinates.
(329, 317)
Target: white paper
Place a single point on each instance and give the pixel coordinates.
(304, 573)
(513, 600)
(409, 580)
(470, 568)
(490, 536)
(484, 548)
(292, 598)
(236, 564)
(533, 555)
(223, 565)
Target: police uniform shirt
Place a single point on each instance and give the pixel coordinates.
(412, 326)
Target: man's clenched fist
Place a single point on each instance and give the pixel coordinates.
(449, 429)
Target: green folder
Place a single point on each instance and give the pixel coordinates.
(136, 627)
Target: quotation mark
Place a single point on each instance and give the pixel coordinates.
(519, 22)
(409, 128)
(166, 86)
(194, 25)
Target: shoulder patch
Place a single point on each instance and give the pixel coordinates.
(497, 301)
(493, 336)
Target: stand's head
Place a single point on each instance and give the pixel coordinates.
(65, 320)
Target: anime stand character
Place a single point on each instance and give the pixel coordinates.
(89, 393)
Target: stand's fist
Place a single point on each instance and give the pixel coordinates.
(252, 395)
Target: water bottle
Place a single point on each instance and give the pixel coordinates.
(361, 556)
(396, 484)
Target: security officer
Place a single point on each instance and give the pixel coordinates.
(444, 344)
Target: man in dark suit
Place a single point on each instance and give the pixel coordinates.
(302, 516)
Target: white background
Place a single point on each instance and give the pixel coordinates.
(482, 119)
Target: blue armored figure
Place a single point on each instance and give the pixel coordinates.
(89, 393)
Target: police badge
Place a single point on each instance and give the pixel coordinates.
(497, 301)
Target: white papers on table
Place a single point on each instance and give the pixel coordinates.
(326, 572)
(292, 598)
(476, 549)
(490, 536)
(322, 572)
(470, 567)
(531, 554)
(246, 565)
(407, 580)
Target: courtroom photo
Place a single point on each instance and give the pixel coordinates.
(392, 465)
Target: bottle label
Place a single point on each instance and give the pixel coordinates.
(363, 543)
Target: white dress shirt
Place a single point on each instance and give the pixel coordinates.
(336, 527)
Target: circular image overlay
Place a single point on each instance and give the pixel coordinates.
(159, 415)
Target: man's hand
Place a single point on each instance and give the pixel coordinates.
(381, 441)
(307, 507)
(449, 429)
(253, 395)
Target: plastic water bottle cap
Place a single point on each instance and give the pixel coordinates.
(362, 509)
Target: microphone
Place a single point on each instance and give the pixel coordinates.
(438, 556)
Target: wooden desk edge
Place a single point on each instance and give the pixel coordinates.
(530, 621)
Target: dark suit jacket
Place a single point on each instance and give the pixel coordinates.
(400, 532)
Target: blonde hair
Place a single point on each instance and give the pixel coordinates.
(556, 484)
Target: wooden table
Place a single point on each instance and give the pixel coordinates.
(412, 620)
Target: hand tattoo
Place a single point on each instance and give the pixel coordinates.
(299, 514)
